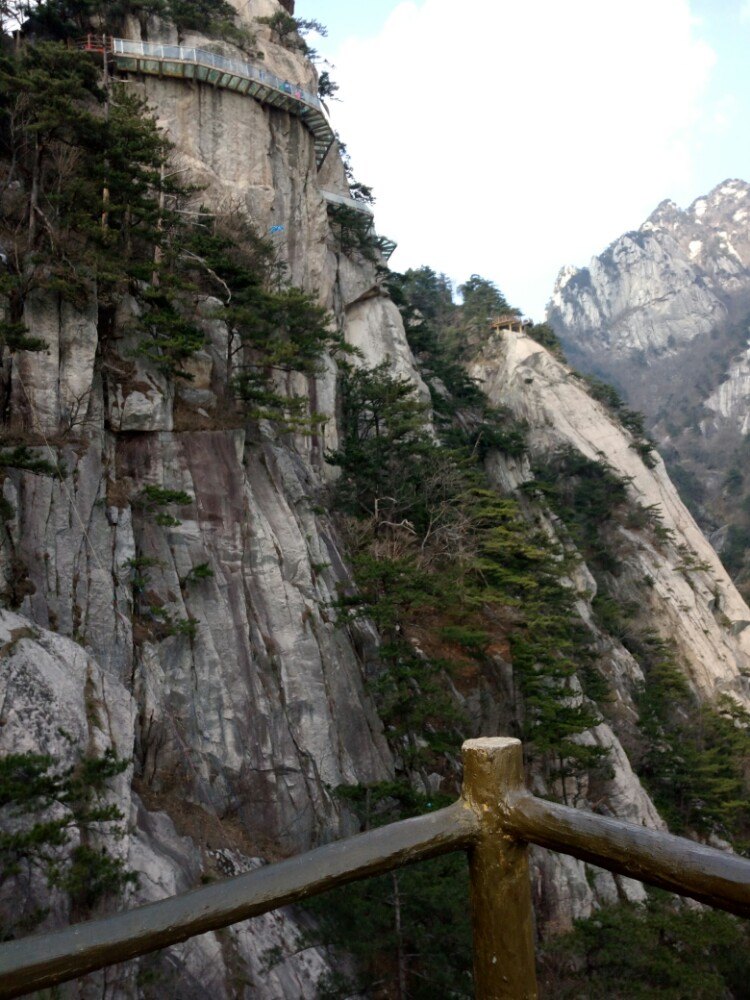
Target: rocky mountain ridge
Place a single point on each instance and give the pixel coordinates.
(663, 315)
(662, 286)
(699, 610)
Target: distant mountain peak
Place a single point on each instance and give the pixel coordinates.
(664, 314)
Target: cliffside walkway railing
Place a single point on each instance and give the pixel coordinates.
(339, 199)
(190, 63)
(493, 821)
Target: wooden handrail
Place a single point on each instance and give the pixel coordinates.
(494, 821)
(718, 878)
(43, 960)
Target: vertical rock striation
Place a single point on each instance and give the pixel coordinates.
(241, 724)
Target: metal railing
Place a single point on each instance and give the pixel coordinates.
(239, 76)
(385, 246)
(212, 60)
(494, 821)
(339, 199)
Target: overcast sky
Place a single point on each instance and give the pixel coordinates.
(511, 138)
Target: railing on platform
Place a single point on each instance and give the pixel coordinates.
(191, 63)
(237, 67)
(494, 821)
(339, 199)
(385, 246)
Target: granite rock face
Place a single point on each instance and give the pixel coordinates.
(699, 609)
(240, 702)
(55, 696)
(678, 585)
(656, 290)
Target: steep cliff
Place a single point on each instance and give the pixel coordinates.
(679, 584)
(240, 724)
(665, 573)
(654, 291)
(179, 591)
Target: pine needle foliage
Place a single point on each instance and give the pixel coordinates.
(60, 20)
(93, 209)
(88, 203)
(44, 807)
(441, 539)
(290, 31)
(275, 330)
(434, 542)
(659, 950)
(588, 496)
(354, 232)
(696, 757)
(26, 459)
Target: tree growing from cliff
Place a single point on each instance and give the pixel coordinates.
(327, 87)
(430, 510)
(353, 229)
(671, 952)
(290, 31)
(439, 555)
(60, 20)
(44, 807)
(27, 459)
(696, 757)
(275, 330)
(431, 318)
(383, 443)
(482, 300)
(88, 202)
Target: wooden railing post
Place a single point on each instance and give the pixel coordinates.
(502, 916)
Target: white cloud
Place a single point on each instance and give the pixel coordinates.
(723, 115)
(745, 12)
(512, 138)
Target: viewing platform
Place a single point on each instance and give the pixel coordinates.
(352, 203)
(385, 246)
(510, 321)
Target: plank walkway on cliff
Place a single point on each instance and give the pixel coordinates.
(189, 63)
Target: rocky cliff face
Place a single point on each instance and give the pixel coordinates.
(676, 582)
(240, 728)
(663, 315)
(700, 610)
(240, 701)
